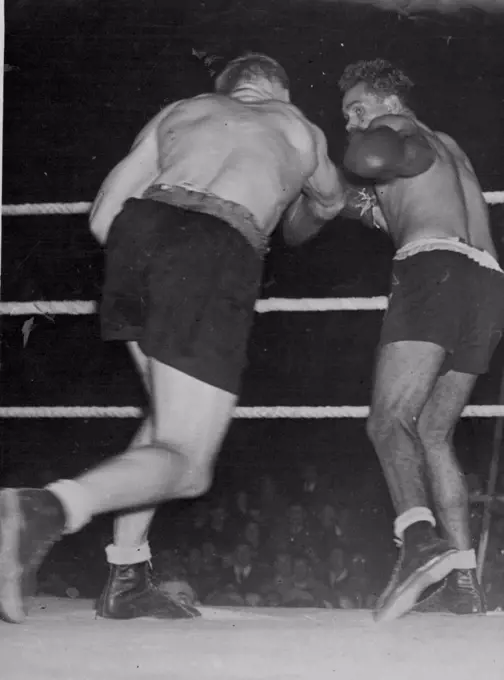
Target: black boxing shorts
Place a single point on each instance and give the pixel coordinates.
(182, 284)
(451, 294)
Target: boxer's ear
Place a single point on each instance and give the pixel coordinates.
(393, 104)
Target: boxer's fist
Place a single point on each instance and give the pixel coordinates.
(372, 153)
(360, 203)
(391, 147)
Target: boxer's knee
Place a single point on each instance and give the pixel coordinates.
(195, 482)
(188, 475)
(435, 436)
(390, 421)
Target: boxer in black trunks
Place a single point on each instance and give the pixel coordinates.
(185, 219)
(444, 320)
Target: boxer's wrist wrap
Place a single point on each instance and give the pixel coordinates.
(359, 204)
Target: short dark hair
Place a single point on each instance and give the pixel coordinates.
(249, 67)
(380, 76)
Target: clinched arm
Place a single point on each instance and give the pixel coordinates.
(322, 197)
(129, 179)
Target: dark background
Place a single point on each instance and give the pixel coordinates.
(83, 79)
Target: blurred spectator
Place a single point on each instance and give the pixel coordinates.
(200, 521)
(180, 590)
(252, 535)
(208, 557)
(327, 533)
(240, 511)
(300, 539)
(194, 574)
(271, 504)
(218, 529)
(242, 582)
(316, 563)
(169, 566)
(305, 590)
(358, 586)
(210, 569)
(337, 572)
(279, 583)
(313, 487)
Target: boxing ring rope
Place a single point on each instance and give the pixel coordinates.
(83, 207)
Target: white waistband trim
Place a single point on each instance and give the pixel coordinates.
(454, 244)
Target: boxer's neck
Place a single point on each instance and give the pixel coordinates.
(261, 90)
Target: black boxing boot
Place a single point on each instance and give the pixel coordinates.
(460, 593)
(31, 521)
(130, 593)
(424, 560)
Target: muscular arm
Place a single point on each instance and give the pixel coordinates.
(384, 153)
(321, 199)
(129, 179)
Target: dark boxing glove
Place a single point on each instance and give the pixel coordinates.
(375, 153)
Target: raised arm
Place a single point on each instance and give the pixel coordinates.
(391, 147)
(321, 199)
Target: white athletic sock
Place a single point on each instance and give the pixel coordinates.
(411, 516)
(121, 554)
(76, 501)
(465, 559)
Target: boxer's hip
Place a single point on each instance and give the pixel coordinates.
(438, 246)
(449, 293)
(237, 216)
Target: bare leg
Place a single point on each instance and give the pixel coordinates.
(405, 376)
(436, 427)
(190, 420)
(131, 529)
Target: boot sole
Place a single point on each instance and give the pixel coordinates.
(404, 598)
(11, 599)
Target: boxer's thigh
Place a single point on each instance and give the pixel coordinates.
(190, 417)
(405, 374)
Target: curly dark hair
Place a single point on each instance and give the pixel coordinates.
(380, 76)
(249, 67)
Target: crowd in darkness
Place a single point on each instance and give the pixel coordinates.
(271, 550)
(298, 548)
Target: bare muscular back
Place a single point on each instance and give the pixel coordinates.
(257, 154)
(445, 201)
(247, 149)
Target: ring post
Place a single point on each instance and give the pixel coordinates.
(492, 482)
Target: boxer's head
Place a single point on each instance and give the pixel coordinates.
(371, 89)
(254, 72)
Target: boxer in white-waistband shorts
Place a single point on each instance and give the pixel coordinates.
(444, 320)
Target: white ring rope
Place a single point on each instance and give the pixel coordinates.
(83, 207)
(80, 307)
(83, 307)
(243, 412)
(80, 208)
